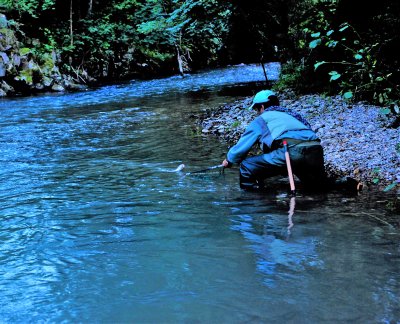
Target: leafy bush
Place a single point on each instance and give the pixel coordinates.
(357, 69)
(335, 57)
(291, 77)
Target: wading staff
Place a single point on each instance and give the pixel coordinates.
(289, 168)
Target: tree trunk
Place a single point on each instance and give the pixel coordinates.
(179, 60)
(265, 72)
(89, 13)
(71, 31)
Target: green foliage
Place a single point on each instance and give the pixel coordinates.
(28, 65)
(122, 37)
(30, 7)
(291, 77)
(376, 180)
(336, 57)
(195, 28)
(118, 38)
(391, 186)
(360, 73)
(376, 172)
(235, 124)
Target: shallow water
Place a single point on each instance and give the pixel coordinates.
(95, 227)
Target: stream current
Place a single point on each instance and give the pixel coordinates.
(95, 227)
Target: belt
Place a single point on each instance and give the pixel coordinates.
(292, 142)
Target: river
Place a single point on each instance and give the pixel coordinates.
(96, 228)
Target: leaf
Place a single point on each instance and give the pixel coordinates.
(390, 187)
(329, 33)
(318, 64)
(315, 35)
(24, 51)
(348, 95)
(376, 180)
(331, 43)
(379, 79)
(315, 43)
(358, 57)
(25, 75)
(344, 28)
(334, 75)
(385, 111)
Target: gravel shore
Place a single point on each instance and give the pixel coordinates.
(358, 140)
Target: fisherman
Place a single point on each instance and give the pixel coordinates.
(270, 129)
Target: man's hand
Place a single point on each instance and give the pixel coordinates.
(226, 163)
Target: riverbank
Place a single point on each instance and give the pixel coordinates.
(358, 140)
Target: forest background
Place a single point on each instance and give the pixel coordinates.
(346, 47)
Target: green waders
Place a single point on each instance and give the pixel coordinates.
(307, 163)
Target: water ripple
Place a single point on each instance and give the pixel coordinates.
(96, 228)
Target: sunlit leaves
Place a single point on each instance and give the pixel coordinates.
(391, 186)
(318, 64)
(348, 95)
(24, 51)
(334, 75)
(190, 25)
(353, 61)
(315, 43)
(31, 7)
(344, 27)
(331, 43)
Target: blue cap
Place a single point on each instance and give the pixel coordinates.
(262, 97)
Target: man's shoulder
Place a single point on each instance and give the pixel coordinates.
(259, 120)
(279, 109)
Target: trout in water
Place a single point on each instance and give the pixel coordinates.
(179, 168)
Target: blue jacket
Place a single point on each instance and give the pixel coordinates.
(273, 124)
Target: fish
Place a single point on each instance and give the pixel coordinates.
(179, 168)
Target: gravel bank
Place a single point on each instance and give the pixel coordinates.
(357, 139)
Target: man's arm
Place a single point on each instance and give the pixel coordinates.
(238, 152)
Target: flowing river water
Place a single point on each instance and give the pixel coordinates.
(95, 228)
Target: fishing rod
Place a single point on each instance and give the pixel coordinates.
(219, 166)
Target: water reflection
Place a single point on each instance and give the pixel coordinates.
(292, 206)
(315, 253)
